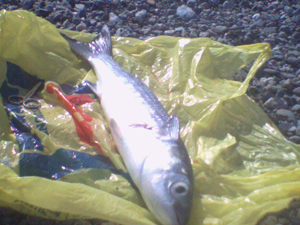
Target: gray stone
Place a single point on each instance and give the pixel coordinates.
(276, 103)
(286, 29)
(203, 34)
(296, 108)
(114, 18)
(271, 72)
(287, 84)
(27, 4)
(285, 114)
(292, 129)
(153, 20)
(185, 12)
(284, 127)
(66, 23)
(193, 33)
(228, 5)
(131, 7)
(288, 10)
(146, 30)
(81, 8)
(256, 16)
(214, 2)
(298, 131)
(151, 2)
(267, 81)
(275, 17)
(179, 29)
(93, 22)
(296, 18)
(270, 30)
(296, 91)
(191, 3)
(140, 15)
(259, 23)
(220, 29)
(295, 139)
(294, 61)
(81, 26)
(169, 32)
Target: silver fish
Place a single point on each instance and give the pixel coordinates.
(146, 136)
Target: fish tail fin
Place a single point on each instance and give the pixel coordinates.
(100, 45)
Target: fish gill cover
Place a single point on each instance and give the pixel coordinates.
(243, 166)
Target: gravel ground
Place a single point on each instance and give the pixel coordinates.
(276, 87)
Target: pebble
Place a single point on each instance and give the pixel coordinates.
(284, 127)
(114, 18)
(140, 15)
(169, 32)
(228, 5)
(285, 114)
(276, 103)
(81, 26)
(27, 4)
(185, 12)
(151, 2)
(296, 91)
(81, 9)
(288, 10)
(220, 29)
(296, 108)
(295, 139)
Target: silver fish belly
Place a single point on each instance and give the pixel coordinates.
(146, 136)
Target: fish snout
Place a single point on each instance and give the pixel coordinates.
(182, 214)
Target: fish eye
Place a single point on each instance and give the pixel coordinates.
(179, 189)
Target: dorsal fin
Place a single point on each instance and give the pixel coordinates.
(172, 127)
(100, 45)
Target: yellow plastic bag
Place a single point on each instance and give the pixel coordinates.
(242, 164)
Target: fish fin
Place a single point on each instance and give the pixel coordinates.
(100, 45)
(172, 127)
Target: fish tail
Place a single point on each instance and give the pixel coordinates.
(100, 45)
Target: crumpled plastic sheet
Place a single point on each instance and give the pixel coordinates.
(243, 166)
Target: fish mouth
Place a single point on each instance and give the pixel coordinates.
(180, 219)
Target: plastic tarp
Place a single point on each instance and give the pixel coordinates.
(243, 166)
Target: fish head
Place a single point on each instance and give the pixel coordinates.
(168, 189)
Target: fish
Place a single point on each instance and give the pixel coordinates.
(147, 137)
